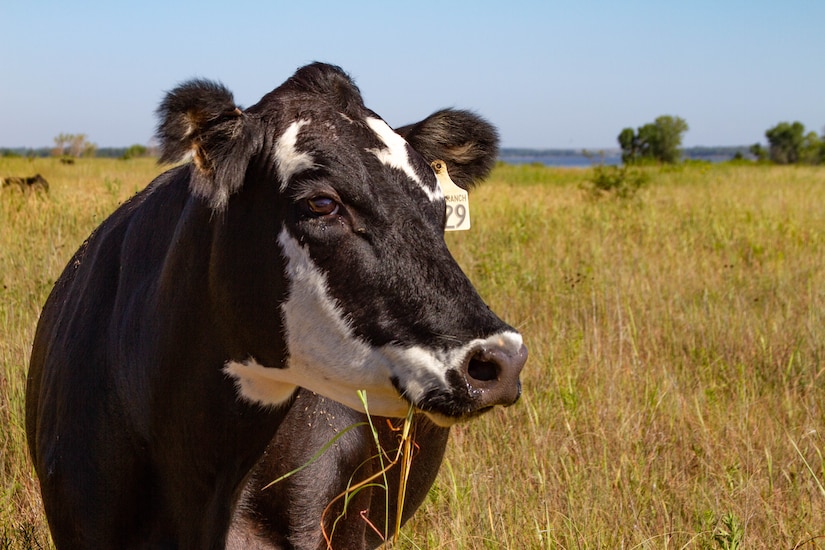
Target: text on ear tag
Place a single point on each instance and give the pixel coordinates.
(458, 200)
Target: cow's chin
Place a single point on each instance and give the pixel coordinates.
(441, 420)
(445, 421)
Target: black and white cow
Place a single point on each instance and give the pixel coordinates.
(302, 247)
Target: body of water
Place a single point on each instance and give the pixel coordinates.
(568, 159)
(576, 159)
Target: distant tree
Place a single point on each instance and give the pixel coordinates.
(647, 138)
(669, 130)
(789, 144)
(660, 140)
(82, 147)
(89, 149)
(812, 148)
(629, 145)
(758, 151)
(60, 143)
(785, 142)
(73, 145)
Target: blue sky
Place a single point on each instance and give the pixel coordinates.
(548, 74)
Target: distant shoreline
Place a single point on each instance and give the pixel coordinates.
(586, 157)
(549, 157)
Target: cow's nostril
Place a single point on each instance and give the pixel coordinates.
(491, 371)
(481, 370)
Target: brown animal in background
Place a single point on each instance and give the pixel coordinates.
(31, 182)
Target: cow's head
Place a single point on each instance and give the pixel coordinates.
(366, 294)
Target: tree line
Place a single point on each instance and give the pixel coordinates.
(73, 146)
(661, 140)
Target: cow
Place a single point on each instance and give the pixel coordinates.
(301, 246)
(27, 182)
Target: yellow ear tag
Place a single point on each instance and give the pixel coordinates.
(458, 200)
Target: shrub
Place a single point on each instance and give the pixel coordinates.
(135, 151)
(619, 181)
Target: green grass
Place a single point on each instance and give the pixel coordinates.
(675, 392)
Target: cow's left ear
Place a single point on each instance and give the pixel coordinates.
(200, 118)
(464, 140)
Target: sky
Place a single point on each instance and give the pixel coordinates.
(548, 74)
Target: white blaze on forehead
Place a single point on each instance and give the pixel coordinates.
(288, 159)
(395, 155)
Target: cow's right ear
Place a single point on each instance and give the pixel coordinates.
(464, 140)
(200, 118)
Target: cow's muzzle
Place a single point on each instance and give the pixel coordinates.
(487, 375)
(491, 373)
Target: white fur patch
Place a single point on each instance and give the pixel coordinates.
(327, 357)
(252, 382)
(395, 155)
(288, 159)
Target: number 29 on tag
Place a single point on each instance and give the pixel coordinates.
(458, 200)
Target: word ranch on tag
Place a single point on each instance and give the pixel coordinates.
(458, 200)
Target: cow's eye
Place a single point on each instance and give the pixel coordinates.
(322, 206)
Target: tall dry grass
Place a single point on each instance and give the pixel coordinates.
(674, 396)
(675, 391)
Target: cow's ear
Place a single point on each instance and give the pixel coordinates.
(200, 118)
(464, 140)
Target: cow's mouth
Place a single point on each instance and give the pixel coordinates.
(487, 376)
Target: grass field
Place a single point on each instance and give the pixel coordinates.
(675, 393)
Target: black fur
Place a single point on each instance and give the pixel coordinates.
(200, 118)
(336, 87)
(465, 141)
